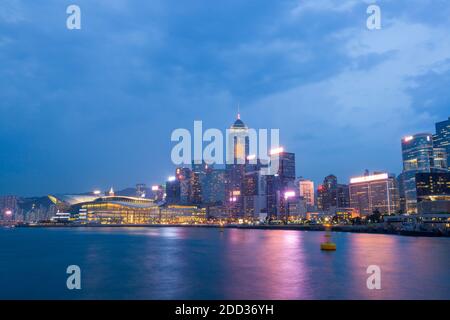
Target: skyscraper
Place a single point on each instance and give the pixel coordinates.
(8, 207)
(213, 186)
(306, 190)
(418, 156)
(342, 196)
(183, 175)
(321, 194)
(237, 153)
(433, 192)
(254, 196)
(282, 181)
(440, 159)
(195, 196)
(329, 198)
(332, 195)
(374, 192)
(442, 138)
(173, 191)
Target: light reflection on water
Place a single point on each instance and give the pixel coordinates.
(204, 263)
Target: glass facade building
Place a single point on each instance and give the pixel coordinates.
(442, 138)
(306, 190)
(374, 192)
(418, 156)
(237, 153)
(433, 192)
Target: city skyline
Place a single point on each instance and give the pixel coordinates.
(219, 159)
(164, 179)
(90, 108)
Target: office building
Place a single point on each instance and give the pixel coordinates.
(418, 156)
(283, 181)
(141, 190)
(183, 175)
(442, 138)
(433, 192)
(332, 195)
(8, 207)
(374, 192)
(237, 153)
(306, 190)
(173, 191)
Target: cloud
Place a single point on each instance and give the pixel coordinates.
(341, 94)
(11, 11)
(305, 6)
(366, 107)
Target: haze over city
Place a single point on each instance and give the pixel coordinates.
(95, 107)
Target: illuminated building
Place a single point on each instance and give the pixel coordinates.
(332, 195)
(328, 193)
(342, 196)
(433, 192)
(272, 195)
(157, 192)
(374, 192)
(346, 213)
(237, 153)
(141, 190)
(121, 210)
(286, 178)
(110, 209)
(195, 196)
(254, 195)
(238, 142)
(418, 156)
(182, 214)
(442, 138)
(183, 175)
(306, 190)
(213, 186)
(128, 210)
(401, 193)
(281, 181)
(8, 207)
(440, 158)
(173, 191)
(320, 195)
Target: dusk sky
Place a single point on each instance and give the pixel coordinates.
(94, 108)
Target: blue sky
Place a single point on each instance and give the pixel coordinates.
(91, 108)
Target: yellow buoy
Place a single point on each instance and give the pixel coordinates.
(328, 246)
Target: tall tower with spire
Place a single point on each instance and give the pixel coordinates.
(238, 142)
(237, 153)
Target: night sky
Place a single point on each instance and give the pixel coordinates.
(91, 108)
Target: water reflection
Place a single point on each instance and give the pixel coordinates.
(204, 263)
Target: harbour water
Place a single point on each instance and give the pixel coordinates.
(205, 263)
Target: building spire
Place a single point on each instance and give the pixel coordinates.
(238, 113)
